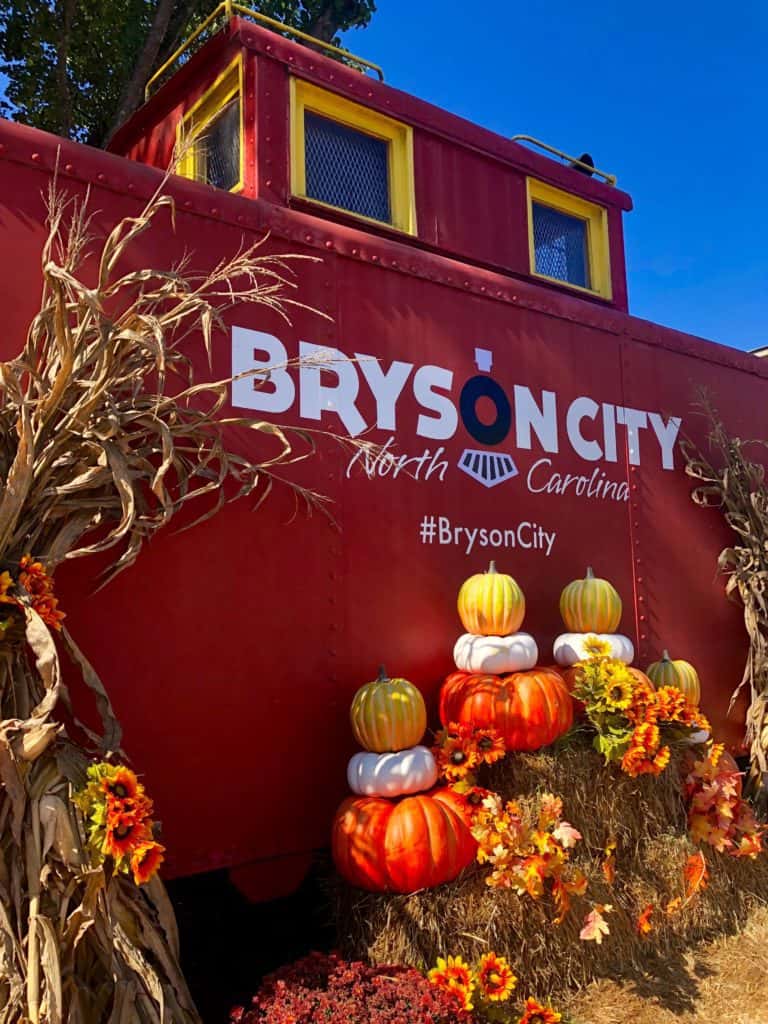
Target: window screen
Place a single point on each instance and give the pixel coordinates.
(346, 167)
(560, 245)
(218, 148)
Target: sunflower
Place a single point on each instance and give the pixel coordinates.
(122, 784)
(495, 979)
(643, 708)
(535, 1013)
(490, 745)
(145, 860)
(456, 759)
(594, 647)
(124, 834)
(457, 971)
(453, 975)
(671, 704)
(618, 691)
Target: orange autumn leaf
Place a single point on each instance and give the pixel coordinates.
(696, 875)
(644, 925)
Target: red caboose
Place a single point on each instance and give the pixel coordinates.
(477, 326)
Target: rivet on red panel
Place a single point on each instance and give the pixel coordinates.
(268, 183)
(100, 177)
(36, 156)
(355, 252)
(67, 167)
(328, 244)
(187, 203)
(307, 238)
(642, 618)
(374, 258)
(643, 636)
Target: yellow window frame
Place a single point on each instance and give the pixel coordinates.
(399, 136)
(596, 218)
(222, 90)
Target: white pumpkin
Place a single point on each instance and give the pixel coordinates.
(395, 774)
(496, 655)
(569, 647)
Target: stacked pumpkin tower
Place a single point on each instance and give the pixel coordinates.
(497, 683)
(398, 833)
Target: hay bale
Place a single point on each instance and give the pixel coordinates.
(647, 818)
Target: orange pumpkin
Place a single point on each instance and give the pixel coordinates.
(402, 845)
(530, 709)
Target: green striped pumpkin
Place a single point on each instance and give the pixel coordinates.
(491, 604)
(388, 715)
(590, 605)
(677, 673)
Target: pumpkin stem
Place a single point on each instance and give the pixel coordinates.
(382, 676)
(665, 655)
(590, 573)
(492, 567)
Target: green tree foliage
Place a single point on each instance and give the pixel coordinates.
(78, 67)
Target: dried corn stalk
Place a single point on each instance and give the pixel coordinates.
(104, 437)
(727, 479)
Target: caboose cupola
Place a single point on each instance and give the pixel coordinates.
(275, 121)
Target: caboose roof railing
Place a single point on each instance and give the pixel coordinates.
(610, 179)
(228, 9)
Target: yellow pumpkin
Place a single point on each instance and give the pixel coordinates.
(591, 605)
(677, 673)
(388, 714)
(491, 604)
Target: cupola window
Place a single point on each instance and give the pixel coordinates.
(351, 158)
(568, 239)
(210, 134)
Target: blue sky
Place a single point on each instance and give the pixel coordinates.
(672, 97)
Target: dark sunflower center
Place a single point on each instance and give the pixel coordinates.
(123, 831)
(475, 798)
(119, 790)
(485, 743)
(458, 757)
(616, 693)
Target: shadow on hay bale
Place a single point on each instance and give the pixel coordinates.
(647, 819)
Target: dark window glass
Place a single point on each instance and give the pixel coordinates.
(560, 245)
(346, 168)
(219, 148)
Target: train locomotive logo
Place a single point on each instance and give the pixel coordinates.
(488, 468)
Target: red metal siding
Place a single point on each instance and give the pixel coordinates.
(232, 651)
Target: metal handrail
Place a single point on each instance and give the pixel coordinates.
(610, 179)
(229, 9)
